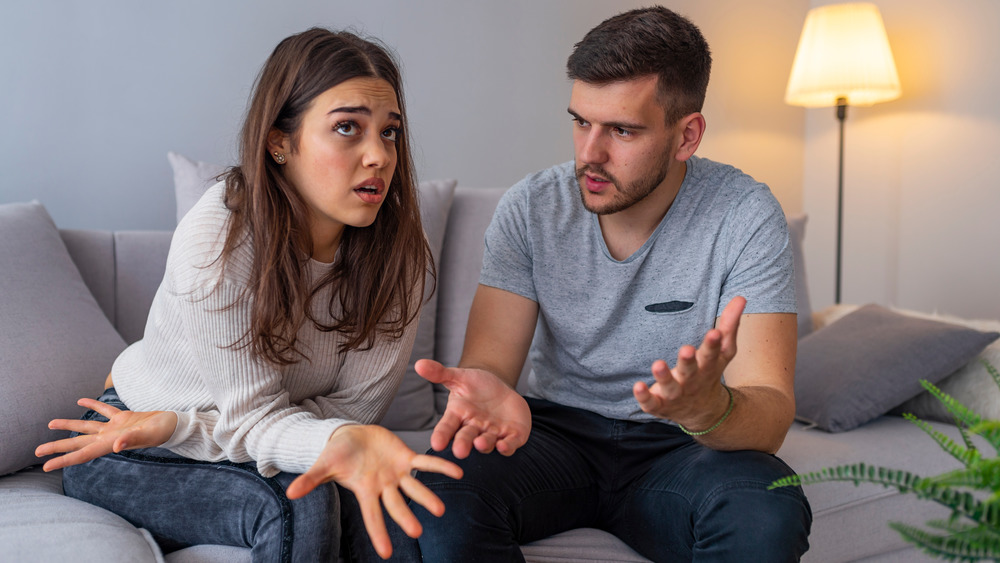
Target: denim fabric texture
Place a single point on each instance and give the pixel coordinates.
(649, 484)
(185, 502)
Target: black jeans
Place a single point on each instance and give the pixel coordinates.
(649, 484)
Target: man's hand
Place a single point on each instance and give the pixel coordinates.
(691, 393)
(124, 430)
(376, 465)
(482, 412)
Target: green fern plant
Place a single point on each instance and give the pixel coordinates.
(972, 532)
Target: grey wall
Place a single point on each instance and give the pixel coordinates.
(96, 92)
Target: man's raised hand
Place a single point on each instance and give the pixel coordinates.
(691, 393)
(482, 412)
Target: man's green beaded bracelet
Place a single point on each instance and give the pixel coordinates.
(716, 425)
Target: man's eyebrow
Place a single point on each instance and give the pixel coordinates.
(611, 124)
(363, 110)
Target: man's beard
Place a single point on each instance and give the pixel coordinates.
(626, 195)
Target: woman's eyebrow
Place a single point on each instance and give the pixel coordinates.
(364, 110)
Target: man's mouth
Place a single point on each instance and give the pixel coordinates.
(592, 180)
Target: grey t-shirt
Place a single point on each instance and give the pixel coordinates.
(603, 322)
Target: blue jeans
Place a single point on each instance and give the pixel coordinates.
(184, 502)
(649, 484)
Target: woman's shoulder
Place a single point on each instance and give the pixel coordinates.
(198, 242)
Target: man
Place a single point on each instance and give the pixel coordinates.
(628, 255)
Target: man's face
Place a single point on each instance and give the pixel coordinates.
(623, 146)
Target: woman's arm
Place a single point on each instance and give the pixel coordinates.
(124, 430)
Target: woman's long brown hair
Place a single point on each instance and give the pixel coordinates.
(379, 272)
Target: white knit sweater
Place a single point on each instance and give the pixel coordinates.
(229, 404)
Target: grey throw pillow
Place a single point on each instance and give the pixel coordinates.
(413, 407)
(56, 345)
(191, 179)
(872, 360)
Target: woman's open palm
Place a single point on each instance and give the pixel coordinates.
(375, 465)
(124, 430)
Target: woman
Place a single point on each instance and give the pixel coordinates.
(280, 331)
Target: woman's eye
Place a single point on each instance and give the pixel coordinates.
(347, 128)
(391, 134)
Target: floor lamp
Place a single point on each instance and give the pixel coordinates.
(843, 58)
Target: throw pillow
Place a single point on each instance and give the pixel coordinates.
(191, 179)
(972, 384)
(872, 360)
(56, 345)
(413, 408)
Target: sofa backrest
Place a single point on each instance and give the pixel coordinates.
(122, 269)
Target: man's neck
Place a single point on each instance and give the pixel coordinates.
(626, 231)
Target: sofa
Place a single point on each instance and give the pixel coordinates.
(73, 299)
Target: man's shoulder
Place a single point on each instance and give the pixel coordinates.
(723, 176)
(728, 188)
(560, 174)
(551, 186)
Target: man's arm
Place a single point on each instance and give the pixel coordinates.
(484, 411)
(498, 336)
(757, 354)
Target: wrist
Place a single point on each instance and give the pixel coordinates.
(719, 419)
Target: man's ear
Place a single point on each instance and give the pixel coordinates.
(692, 129)
(278, 143)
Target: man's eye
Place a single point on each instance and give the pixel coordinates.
(391, 134)
(347, 128)
(580, 122)
(622, 132)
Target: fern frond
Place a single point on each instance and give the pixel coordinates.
(984, 474)
(966, 546)
(992, 371)
(957, 409)
(856, 473)
(990, 431)
(964, 432)
(965, 455)
(960, 502)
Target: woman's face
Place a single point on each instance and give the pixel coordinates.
(344, 158)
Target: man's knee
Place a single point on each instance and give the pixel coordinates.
(719, 505)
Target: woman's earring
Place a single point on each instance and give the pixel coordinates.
(280, 158)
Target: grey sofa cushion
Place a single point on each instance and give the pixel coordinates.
(38, 523)
(872, 360)
(56, 345)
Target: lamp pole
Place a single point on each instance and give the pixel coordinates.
(841, 117)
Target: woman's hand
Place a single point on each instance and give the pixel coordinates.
(375, 464)
(124, 430)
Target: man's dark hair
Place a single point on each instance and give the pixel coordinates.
(644, 42)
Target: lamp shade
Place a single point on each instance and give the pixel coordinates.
(843, 53)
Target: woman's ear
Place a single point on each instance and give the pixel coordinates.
(278, 145)
(692, 129)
